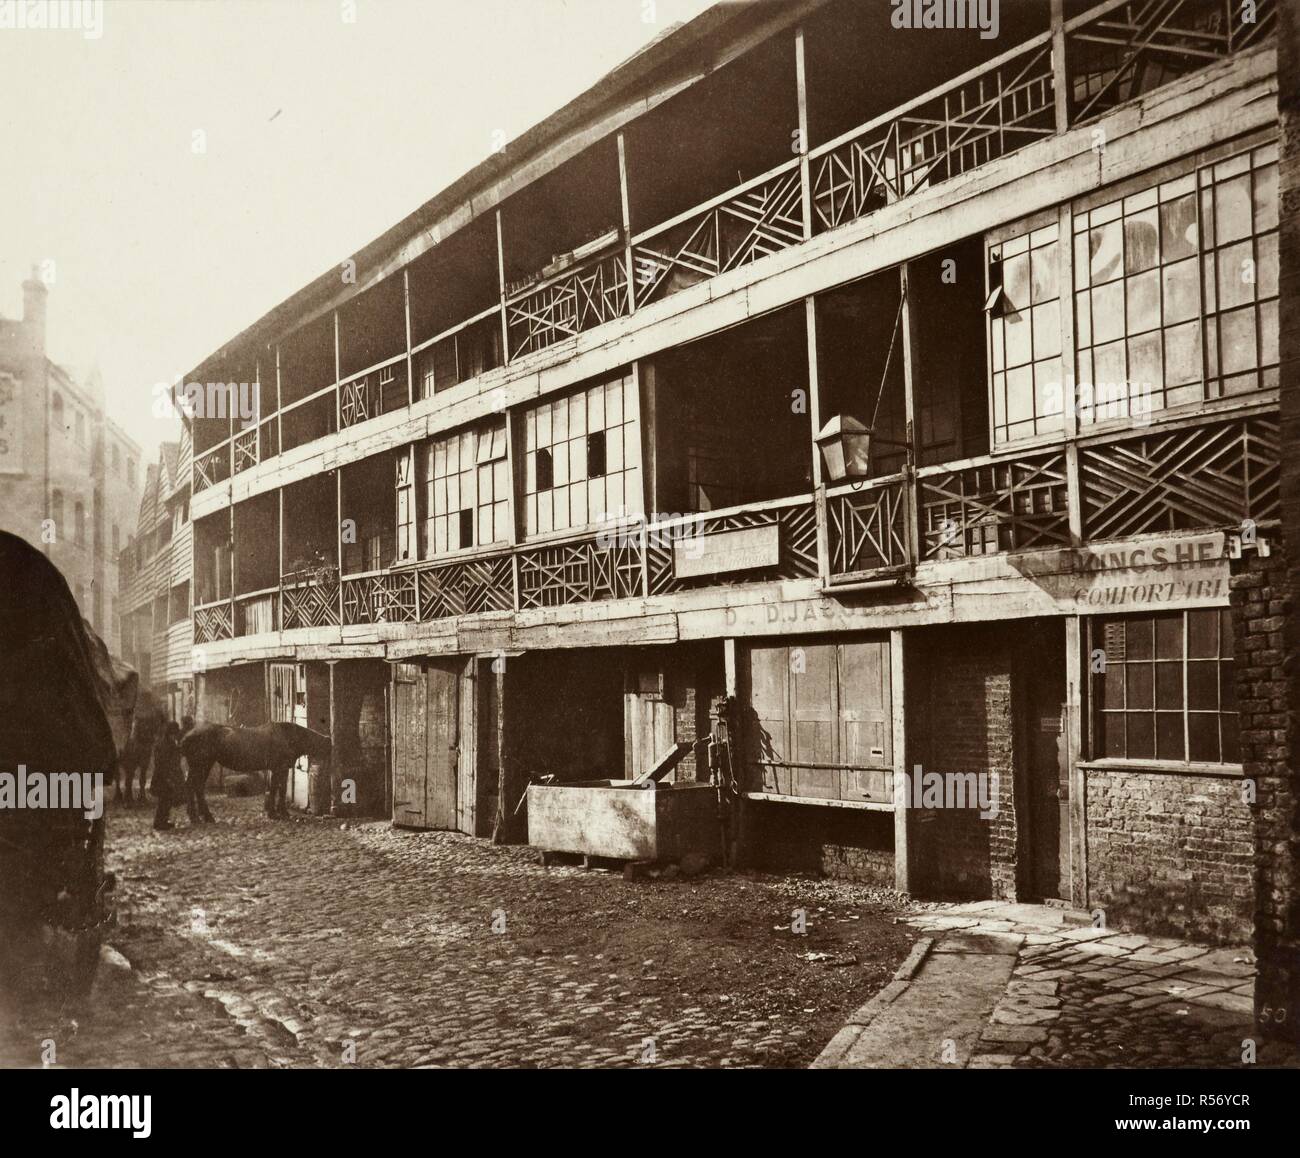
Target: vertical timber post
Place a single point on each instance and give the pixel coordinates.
(898, 704)
(1060, 77)
(1075, 668)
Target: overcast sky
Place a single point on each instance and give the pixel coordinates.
(320, 134)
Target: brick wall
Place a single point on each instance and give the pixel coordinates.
(1170, 854)
(960, 719)
(1264, 639)
(838, 842)
(1277, 815)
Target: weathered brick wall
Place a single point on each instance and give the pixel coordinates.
(960, 719)
(1265, 638)
(1277, 814)
(848, 844)
(1170, 854)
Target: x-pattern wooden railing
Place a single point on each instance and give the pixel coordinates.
(581, 572)
(312, 604)
(390, 597)
(570, 303)
(763, 217)
(214, 622)
(246, 450)
(1131, 47)
(467, 588)
(211, 467)
(998, 110)
(866, 529)
(354, 402)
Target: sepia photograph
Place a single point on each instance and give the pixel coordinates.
(541, 535)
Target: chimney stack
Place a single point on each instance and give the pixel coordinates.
(35, 294)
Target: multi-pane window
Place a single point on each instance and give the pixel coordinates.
(1176, 290)
(1025, 335)
(405, 487)
(466, 490)
(1165, 688)
(583, 458)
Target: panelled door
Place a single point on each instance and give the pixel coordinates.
(427, 728)
(409, 745)
(819, 720)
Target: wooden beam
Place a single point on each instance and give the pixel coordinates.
(501, 285)
(902, 859)
(627, 223)
(1076, 665)
(801, 84)
(912, 435)
(1060, 74)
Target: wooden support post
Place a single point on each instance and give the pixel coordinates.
(643, 382)
(501, 283)
(279, 626)
(627, 224)
(910, 363)
(815, 424)
(406, 306)
(1069, 371)
(902, 861)
(801, 83)
(338, 533)
(338, 402)
(1060, 76)
(1076, 667)
(279, 421)
(333, 770)
(737, 817)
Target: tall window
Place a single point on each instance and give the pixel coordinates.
(130, 471)
(79, 524)
(1176, 290)
(583, 458)
(1025, 335)
(405, 508)
(466, 482)
(1166, 691)
(81, 429)
(56, 510)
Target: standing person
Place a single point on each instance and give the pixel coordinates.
(168, 784)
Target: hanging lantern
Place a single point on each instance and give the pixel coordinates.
(846, 448)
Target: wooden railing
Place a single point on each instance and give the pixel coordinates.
(310, 603)
(1125, 48)
(211, 467)
(246, 450)
(867, 529)
(214, 622)
(984, 114)
(573, 301)
(381, 597)
(760, 217)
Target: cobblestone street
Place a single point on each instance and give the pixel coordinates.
(254, 943)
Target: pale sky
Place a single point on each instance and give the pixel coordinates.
(320, 134)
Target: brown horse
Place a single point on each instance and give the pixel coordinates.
(138, 749)
(267, 747)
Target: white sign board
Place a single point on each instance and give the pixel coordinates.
(744, 550)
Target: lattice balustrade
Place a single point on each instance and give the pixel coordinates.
(573, 302)
(582, 572)
(797, 539)
(388, 598)
(467, 588)
(867, 529)
(310, 604)
(214, 623)
(763, 218)
(246, 450)
(1131, 48)
(355, 402)
(211, 468)
(990, 115)
(1199, 476)
(1014, 504)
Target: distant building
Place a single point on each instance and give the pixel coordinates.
(69, 475)
(156, 565)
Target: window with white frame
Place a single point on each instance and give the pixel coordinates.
(466, 482)
(582, 458)
(1176, 289)
(1025, 335)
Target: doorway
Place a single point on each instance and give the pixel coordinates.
(433, 745)
(1047, 773)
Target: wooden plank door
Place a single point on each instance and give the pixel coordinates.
(766, 718)
(813, 703)
(442, 743)
(467, 743)
(866, 721)
(409, 744)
